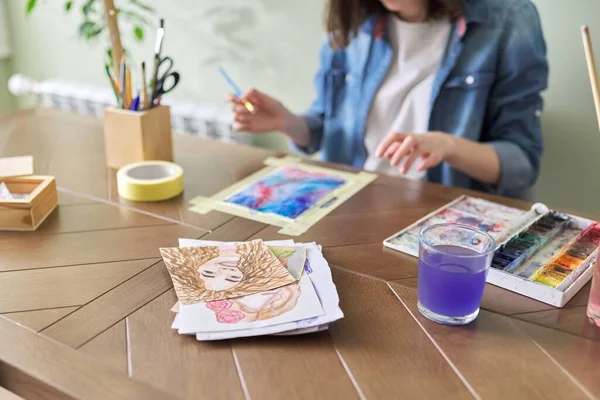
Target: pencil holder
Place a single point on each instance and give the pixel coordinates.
(134, 136)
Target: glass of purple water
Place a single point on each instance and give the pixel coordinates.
(453, 263)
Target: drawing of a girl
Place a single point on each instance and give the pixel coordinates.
(212, 273)
(222, 272)
(256, 307)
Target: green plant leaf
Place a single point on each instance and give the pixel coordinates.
(68, 5)
(88, 7)
(139, 33)
(89, 29)
(30, 6)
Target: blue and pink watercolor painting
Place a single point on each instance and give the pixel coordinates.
(288, 192)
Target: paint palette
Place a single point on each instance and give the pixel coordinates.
(526, 243)
(542, 254)
(570, 258)
(496, 220)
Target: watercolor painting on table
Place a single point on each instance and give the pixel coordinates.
(286, 193)
(210, 273)
(497, 220)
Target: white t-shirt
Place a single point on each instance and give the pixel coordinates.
(402, 103)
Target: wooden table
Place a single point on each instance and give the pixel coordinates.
(85, 299)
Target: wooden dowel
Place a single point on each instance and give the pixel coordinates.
(592, 69)
(115, 35)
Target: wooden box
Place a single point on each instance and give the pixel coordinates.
(134, 136)
(27, 214)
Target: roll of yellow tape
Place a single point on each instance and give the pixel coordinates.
(150, 181)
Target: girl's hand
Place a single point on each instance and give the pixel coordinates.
(404, 148)
(269, 114)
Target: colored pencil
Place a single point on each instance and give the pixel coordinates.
(249, 106)
(128, 86)
(124, 103)
(592, 68)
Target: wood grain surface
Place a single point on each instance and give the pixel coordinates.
(85, 303)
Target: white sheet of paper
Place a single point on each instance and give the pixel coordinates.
(198, 317)
(16, 166)
(320, 274)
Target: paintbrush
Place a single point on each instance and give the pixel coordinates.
(592, 69)
(123, 88)
(144, 101)
(160, 35)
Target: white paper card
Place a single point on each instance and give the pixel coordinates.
(16, 166)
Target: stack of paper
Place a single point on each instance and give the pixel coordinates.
(230, 290)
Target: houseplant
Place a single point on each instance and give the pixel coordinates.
(135, 16)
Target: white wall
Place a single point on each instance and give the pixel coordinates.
(571, 164)
(268, 44)
(273, 44)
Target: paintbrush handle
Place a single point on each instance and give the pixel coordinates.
(144, 88)
(592, 69)
(123, 74)
(154, 82)
(115, 35)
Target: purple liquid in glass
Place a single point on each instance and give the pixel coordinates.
(451, 285)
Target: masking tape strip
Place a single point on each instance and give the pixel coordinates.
(150, 181)
(293, 227)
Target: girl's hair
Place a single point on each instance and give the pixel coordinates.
(344, 17)
(261, 269)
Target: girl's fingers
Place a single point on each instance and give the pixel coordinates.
(239, 109)
(405, 148)
(392, 149)
(430, 161)
(243, 127)
(231, 98)
(387, 142)
(242, 118)
(257, 98)
(408, 163)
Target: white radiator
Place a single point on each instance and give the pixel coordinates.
(200, 119)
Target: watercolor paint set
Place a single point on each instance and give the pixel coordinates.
(540, 253)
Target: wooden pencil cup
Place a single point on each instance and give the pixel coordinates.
(134, 136)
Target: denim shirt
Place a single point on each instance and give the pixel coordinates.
(487, 89)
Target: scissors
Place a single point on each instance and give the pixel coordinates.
(161, 85)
